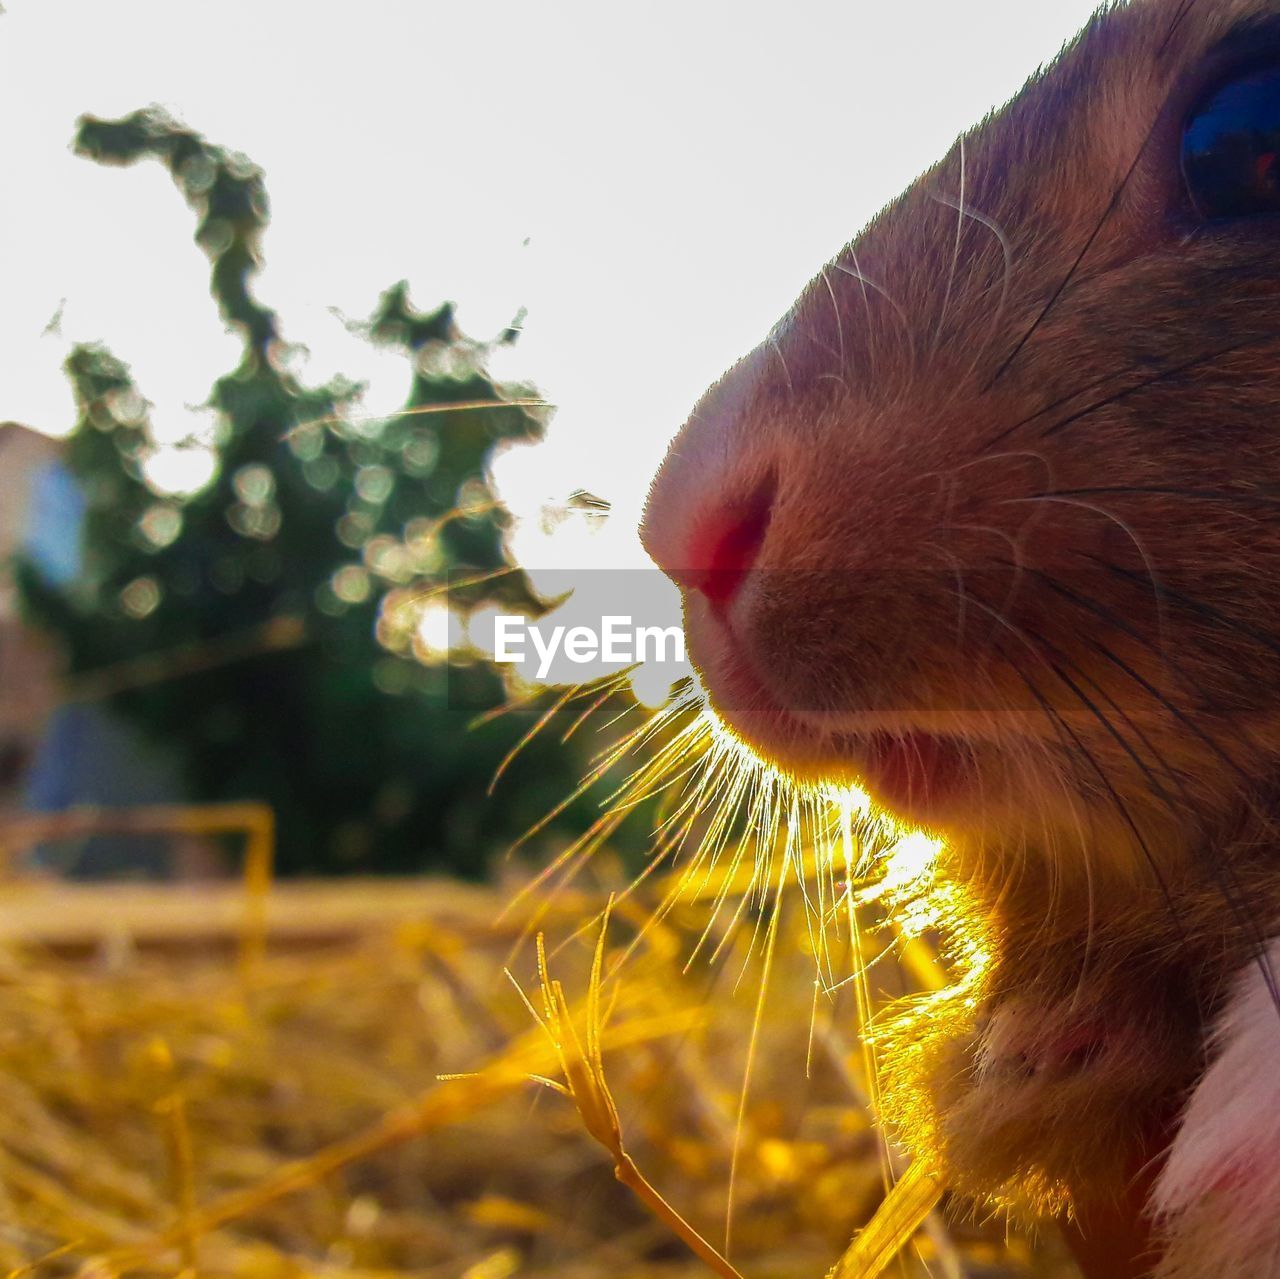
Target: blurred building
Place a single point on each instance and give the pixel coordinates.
(57, 753)
(29, 463)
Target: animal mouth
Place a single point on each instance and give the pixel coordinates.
(917, 773)
(907, 771)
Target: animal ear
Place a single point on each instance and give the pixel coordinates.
(1231, 148)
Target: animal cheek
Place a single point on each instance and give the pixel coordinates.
(1022, 1041)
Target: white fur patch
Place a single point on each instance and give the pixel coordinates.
(1218, 1198)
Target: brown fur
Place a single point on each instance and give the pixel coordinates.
(1123, 869)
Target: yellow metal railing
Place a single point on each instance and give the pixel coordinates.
(255, 821)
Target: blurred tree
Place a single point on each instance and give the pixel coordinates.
(237, 625)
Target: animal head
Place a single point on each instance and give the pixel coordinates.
(990, 521)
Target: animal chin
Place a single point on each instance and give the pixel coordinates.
(919, 775)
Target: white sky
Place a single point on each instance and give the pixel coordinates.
(679, 170)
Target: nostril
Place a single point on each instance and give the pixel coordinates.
(726, 544)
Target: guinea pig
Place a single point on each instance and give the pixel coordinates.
(990, 523)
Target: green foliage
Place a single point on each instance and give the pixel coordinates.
(237, 625)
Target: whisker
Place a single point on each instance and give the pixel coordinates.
(1124, 392)
(856, 273)
(417, 410)
(1157, 587)
(1084, 753)
(1251, 497)
(1112, 204)
(835, 310)
(955, 259)
(1184, 9)
(534, 729)
(1200, 608)
(1155, 379)
(994, 227)
(782, 359)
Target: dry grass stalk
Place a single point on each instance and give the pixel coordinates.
(585, 1084)
(455, 1099)
(881, 1242)
(256, 822)
(160, 1114)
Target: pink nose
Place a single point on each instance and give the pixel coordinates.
(723, 546)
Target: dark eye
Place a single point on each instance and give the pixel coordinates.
(1231, 149)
